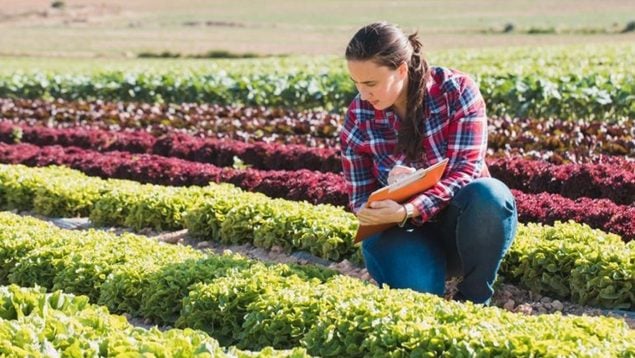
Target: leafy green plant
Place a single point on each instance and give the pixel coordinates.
(339, 316)
(566, 93)
(541, 258)
(35, 323)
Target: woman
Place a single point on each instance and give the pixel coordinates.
(408, 116)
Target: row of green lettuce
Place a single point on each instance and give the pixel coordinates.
(568, 260)
(253, 305)
(39, 324)
(566, 95)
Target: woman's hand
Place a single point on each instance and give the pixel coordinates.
(381, 212)
(398, 172)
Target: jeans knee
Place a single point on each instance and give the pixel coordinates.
(487, 195)
(486, 214)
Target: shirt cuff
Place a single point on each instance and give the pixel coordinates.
(427, 208)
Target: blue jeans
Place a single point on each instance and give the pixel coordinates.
(467, 238)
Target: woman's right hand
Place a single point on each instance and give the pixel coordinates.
(398, 172)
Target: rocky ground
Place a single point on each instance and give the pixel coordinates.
(507, 296)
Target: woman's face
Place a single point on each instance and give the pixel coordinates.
(379, 85)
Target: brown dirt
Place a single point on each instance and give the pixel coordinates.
(120, 28)
(44, 15)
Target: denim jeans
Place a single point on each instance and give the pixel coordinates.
(468, 238)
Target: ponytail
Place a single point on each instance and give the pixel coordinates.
(410, 130)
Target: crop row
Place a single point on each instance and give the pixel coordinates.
(161, 118)
(600, 214)
(39, 324)
(569, 261)
(308, 144)
(615, 181)
(323, 230)
(570, 139)
(259, 155)
(252, 305)
(221, 153)
(314, 187)
(302, 185)
(567, 95)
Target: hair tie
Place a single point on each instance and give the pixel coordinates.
(415, 43)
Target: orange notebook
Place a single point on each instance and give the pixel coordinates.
(415, 183)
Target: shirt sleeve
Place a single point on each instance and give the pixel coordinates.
(356, 165)
(467, 145)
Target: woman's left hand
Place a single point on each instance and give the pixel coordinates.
(381, 212)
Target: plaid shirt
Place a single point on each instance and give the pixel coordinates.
(455, 127)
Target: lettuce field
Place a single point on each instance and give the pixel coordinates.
(252, 158)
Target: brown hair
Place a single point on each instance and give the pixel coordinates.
(386, 45)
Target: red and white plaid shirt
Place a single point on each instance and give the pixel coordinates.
(455, 127)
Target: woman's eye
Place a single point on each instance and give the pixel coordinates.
(358, 85)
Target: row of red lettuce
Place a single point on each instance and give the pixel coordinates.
(311, 186)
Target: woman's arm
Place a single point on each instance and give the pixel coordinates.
(467, 145)
(356, 164)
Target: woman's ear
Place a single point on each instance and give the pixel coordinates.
(403, 70)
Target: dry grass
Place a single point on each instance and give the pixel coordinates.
(118, 28)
